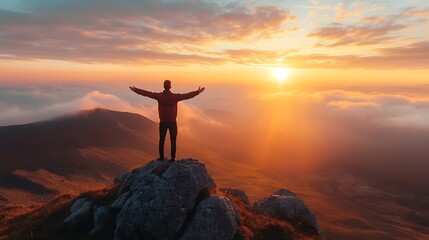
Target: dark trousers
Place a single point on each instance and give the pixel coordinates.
(163, 127)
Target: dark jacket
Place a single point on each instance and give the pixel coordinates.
(167, 102)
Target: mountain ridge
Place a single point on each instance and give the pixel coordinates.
(72, 147)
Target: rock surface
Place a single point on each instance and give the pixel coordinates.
(216, 218)
(285, 205)
(161, 198)
(100, 214)
(121, 178)
(120, 201)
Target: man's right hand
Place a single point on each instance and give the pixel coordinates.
(201, 89)
(133, 88)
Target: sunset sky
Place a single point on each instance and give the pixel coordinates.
(213, 41)
(290, 84)
(352, 56)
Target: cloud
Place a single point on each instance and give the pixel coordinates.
(367, 30)
(342, 11)
(47, 104)
(342, 35)
(132, 31)
(374, 133)
(355, 9)
(31, 104)
(414, 12)
(379, 136)
(349, 104)
(251, 56)
(386, 110)
(407, 56)
(374, 108)
(318, 5)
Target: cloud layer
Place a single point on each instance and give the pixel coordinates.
(383, 135)
(368, 30)
(411, 56)
(26, 105)
(132, 31)
(212, 32)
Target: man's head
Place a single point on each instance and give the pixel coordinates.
(167, 84)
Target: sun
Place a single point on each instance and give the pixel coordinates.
(281, 74)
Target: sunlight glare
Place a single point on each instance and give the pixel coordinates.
(281, 74)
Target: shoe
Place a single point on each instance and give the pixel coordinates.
(171, 160)
(160, 159)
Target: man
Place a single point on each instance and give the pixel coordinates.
(167, 109)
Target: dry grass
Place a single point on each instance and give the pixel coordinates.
(46, 222)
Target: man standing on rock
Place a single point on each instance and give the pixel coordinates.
(167, 109)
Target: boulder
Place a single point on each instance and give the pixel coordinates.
(237, 194)
(285, 192)
(80, 208)
(100, 215)
(78, 204)
(216, 218)
(161, 196)
(285, 205)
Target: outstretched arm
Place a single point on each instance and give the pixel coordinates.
(191, 94)
(144, 92)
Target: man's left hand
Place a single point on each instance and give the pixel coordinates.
(201, 89)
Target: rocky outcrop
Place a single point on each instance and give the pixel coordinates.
(285, 205)
(161, 197)
(178, 200)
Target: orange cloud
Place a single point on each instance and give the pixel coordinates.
(349, 104)
(128, 32)
(417, 12)
(356, 9)
(376, 29)
(341, 35)
(408, 56)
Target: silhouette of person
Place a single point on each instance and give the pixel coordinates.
(167, 109)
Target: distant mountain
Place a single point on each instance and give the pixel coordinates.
(60, 155)
(222, 116)
(85, 150)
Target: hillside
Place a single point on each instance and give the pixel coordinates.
(67, 153)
